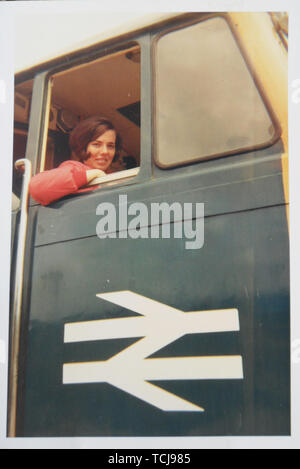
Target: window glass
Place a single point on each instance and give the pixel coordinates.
(22, 100)
(207, 103)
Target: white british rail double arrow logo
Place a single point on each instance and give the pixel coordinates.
(159, 325)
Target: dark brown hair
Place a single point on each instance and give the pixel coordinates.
(87, 131)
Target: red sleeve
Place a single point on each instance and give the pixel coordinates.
(48, 186)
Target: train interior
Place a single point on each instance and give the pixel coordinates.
(108, 86)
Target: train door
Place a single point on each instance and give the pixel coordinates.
(175, 321)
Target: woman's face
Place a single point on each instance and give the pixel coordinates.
(101, 151)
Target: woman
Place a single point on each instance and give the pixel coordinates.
(94, 145)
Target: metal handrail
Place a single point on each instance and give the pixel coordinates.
(17, 298)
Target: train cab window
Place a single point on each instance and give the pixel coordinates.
(207, 103)
(107, 86)
(22, 100)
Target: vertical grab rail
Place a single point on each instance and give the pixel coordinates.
(17, 298)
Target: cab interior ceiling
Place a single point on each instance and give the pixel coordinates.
(103, 87)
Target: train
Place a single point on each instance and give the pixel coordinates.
(176, 324)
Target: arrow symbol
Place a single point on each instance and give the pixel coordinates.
(159, 325)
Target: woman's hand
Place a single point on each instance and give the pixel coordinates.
(94, 173)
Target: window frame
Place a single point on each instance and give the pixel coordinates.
(41, 95)
(251, 69)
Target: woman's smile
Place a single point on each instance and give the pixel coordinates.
(102, 151)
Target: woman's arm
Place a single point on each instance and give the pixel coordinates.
(48, 186)
(94, 173)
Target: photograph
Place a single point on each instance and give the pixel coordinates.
(149, 282)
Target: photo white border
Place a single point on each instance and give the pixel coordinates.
(8, 11)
